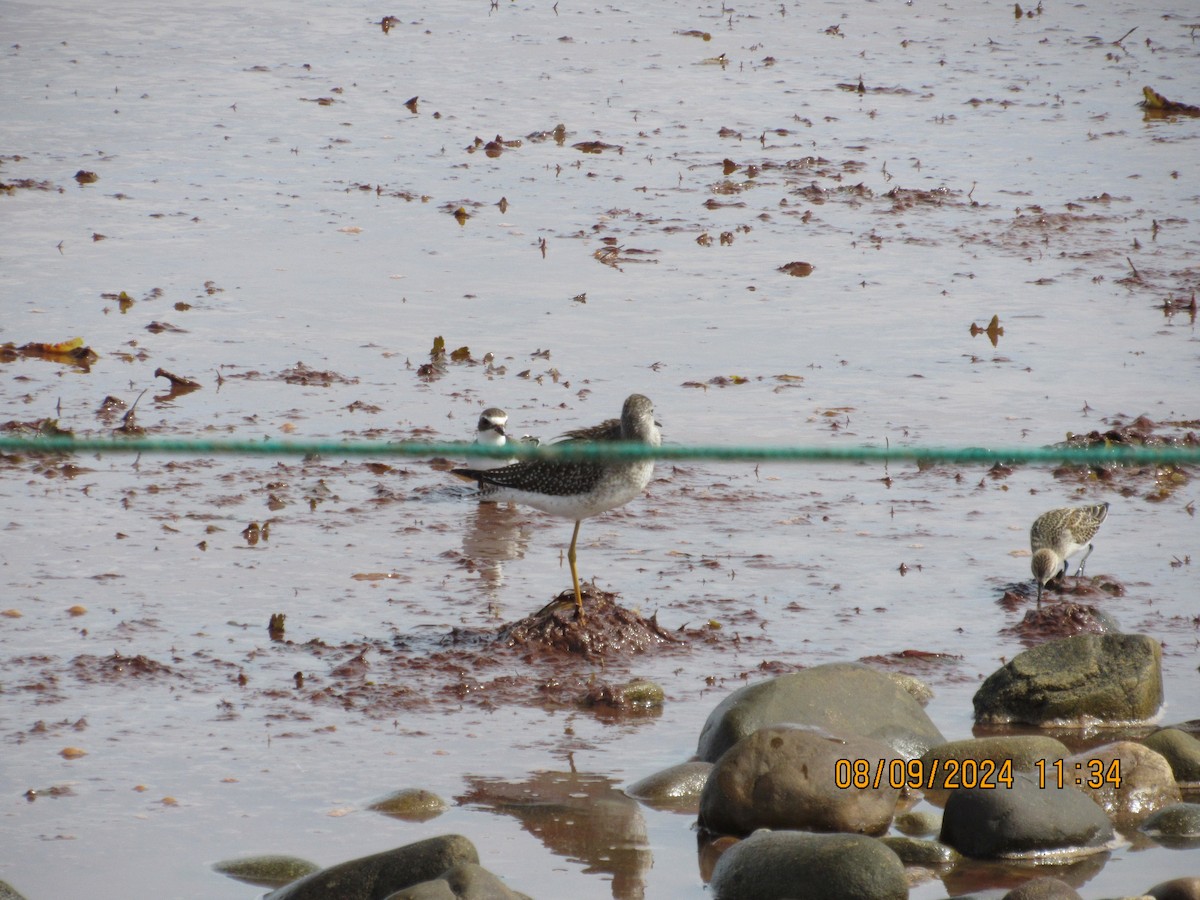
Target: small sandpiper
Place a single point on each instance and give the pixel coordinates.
(578, 490)
(490, 433)
(1058, 535)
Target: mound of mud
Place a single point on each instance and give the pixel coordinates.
(1070, 614)
(607, 629)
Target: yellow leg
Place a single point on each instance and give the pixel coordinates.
(574, 572)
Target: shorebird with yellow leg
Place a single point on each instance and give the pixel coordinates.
(581, 489)
(1058, 535)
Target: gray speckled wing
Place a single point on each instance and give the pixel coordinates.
(558, 479)
(608, 430)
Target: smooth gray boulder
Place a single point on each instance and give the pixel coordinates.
(987, 757)
(792, 865)
(1177, 825)
(1176, 889)
(842, 698)
(918, 822)
(1181, 750)
(677, 787)
(920, 691)
(1045, 888)
(410, 804)
(1110, 678)
(269, 870)
(375, 877)
(916, 852)
(787, 777)
(1128, 780)
(990, 823)
(466, 881)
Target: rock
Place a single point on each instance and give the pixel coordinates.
(1109, 678)
(773, 865)
(987, 824)
(988, 756)
(918, 822)
(928, 854)
(711, 852)
(845, 699)
(787, 777)
(1181, 750)
(466, 881)
(410, 804)
(1045, 888)
(381, 874)
(1191, 726)
(266, 871)
(1128, 780)
(1176, 889)
(1175, 825)
(678, 787)
(8, 892)
(636, 694)
(920, 691)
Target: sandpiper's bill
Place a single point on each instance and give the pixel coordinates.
(578, 490)
(1058, 535)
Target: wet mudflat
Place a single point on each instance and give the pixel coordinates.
(829, 225)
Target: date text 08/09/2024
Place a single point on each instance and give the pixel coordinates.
(988, 774)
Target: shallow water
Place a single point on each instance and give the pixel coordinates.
(1028, 185)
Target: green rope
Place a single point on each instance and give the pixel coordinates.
(1111, 454)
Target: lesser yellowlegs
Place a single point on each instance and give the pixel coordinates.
(578, 490)
(1058, 535)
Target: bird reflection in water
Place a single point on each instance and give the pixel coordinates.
(585, 818)
(494, 533)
